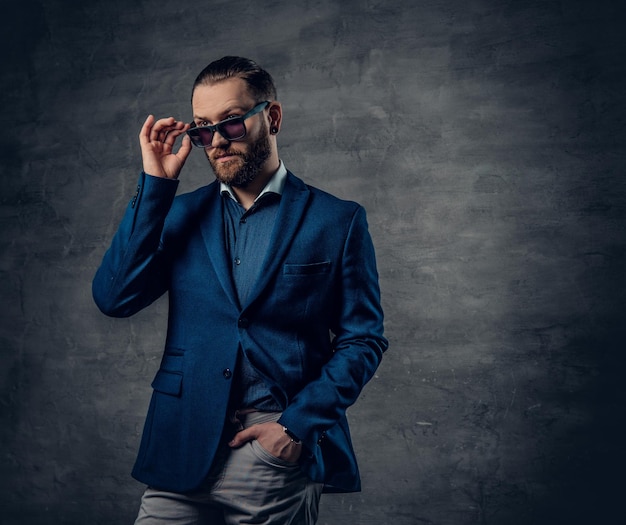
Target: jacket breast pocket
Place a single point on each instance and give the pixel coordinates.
(318, 268)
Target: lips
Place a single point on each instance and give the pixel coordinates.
(225, 157)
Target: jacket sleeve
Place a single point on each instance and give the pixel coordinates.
(358, 344)
(132, 274)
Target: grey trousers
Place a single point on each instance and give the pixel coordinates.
(246, 485)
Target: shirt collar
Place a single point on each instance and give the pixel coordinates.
(274, 185)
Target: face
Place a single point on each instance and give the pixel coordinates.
(239, 162)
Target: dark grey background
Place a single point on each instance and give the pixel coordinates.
(486, 140)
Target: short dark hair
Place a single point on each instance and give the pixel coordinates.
(260, 82)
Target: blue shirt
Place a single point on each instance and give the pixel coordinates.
(248, 235)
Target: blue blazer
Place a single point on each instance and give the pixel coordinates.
(312, 326)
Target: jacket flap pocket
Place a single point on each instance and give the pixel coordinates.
(172, 362)
(168, 382)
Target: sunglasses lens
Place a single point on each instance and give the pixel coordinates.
(205, 137)
(200, 137)
(232, 129)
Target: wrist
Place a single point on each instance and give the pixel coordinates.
(294, 439)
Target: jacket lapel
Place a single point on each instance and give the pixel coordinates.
(212, 228)
(292, 205)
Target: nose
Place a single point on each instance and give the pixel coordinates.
(218, 140)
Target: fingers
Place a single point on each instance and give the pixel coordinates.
(144, 134)
(272, 438)
(185, 147)
(245, 435)
(157, 138)
(164, 131)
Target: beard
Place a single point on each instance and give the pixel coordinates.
(242, 171)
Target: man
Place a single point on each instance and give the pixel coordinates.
(275, 322)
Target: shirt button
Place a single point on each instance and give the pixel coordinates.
(237, 261)
(243, 322)
(227, 373)
(243, 221)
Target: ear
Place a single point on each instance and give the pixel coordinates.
(275, 117)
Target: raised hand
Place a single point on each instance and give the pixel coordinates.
(157, 140)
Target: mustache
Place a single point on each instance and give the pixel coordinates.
(218, 154)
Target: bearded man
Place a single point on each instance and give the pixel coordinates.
(275, 323)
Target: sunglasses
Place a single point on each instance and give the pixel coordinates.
(232, 128)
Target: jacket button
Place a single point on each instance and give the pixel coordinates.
(243, 322)
(227, 373)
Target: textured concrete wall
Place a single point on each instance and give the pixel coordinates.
(486, 140)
